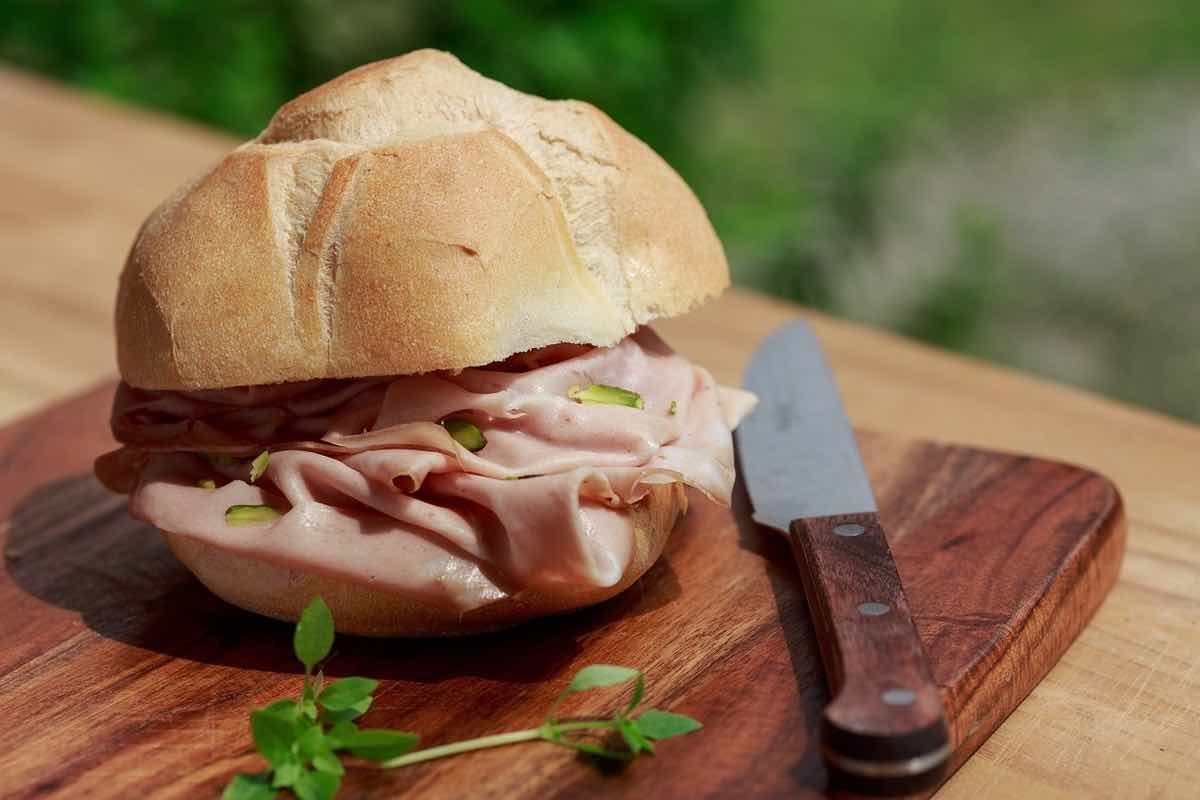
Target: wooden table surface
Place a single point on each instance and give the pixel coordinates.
(1118, 717)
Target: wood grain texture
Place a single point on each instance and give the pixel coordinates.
(132, 679)
(886, 712)
(79, 176)
(1119, 716)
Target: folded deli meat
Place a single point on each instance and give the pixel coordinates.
(461, 488)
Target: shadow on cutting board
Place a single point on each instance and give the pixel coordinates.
(795, 623)
(72, 544)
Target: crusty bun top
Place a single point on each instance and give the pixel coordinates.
(408, 216)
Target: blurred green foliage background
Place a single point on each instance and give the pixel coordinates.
(1017, 180)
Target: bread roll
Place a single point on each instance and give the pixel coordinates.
(410, 215)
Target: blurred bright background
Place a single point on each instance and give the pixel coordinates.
(1016, 180)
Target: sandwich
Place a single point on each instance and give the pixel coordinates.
(396, 351)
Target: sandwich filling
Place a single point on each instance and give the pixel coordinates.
(456, 488)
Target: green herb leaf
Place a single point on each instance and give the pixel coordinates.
(465, 434)
(347, 693)
(346, 714)
(634, 738)
(259, 465)
(655, 724)
(287, 774)
(311, 742)
(250, 515)
(314, 745)
(378, 744)
(286, 709)
(607, 395)
(314, 634)
(597, 676)
(340, 733)
(206, 483)
(328, 762)
(249, 787)
(317, 786)
(273, 736)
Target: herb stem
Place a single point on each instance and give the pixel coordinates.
(546, 732)
(582, 725)
(496, 740)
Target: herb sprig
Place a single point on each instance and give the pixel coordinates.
(301, 739)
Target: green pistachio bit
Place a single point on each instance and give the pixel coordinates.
(512, 477)
(220, 459)
(207, 483)
(609, 395)
(672, 408)
(259, 465)
(250, 515)
(465, 434)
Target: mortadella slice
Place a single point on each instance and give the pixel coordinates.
(372, 489)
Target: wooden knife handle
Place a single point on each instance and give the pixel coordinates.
(885, 731)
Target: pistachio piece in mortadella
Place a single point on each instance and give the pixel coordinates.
(609, 395)
(259, 465)
(465, 434)
(207, 483)
(250, 515)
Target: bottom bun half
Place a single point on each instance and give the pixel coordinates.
(282, 593)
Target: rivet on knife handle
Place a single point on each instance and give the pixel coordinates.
(885, 731)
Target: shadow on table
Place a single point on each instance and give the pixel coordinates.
(72, 544)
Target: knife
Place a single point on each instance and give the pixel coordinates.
(885, 731)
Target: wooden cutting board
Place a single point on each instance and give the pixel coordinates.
(121, 676)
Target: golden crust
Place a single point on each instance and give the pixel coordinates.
(283, 593)
(408, 216)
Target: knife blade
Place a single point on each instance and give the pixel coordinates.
(885, 731)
